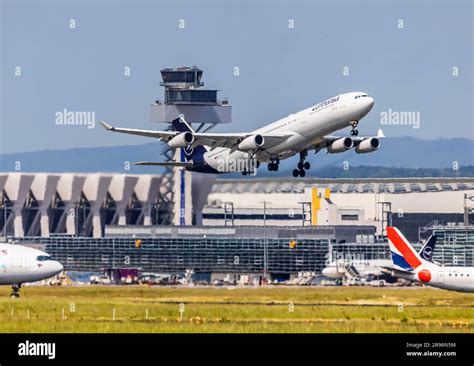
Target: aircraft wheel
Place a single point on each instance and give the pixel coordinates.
(302, 173)
(300, 165)
(296, 172)
(356, 132)
(244, 173)
(307, 165)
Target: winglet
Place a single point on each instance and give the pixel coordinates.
(106, 125)
(380, 134)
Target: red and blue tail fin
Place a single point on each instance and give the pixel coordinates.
(404, 255)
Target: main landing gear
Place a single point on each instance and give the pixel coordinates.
(302, 165)
(273, 165)
(15, 291)
(354, 131)
(252, 170)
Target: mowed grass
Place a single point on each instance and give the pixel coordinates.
(209, 309)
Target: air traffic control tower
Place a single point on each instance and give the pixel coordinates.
(179, 203)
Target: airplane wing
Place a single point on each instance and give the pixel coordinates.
(165, 163)
(147, 133)
(325, 141)
(231, 140)
(209, 139)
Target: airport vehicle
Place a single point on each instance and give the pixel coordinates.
(408, 264)
(99, 280)
(370, 268)
(306, 130)
(20, 264)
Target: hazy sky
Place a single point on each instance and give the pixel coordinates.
(282, 70)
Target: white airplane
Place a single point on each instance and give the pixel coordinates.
(359, 268)
(365, 268)
(307, 130)
(408, 264)
(20, 264)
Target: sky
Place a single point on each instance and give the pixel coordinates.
(425, 67)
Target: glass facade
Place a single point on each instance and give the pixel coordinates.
(237, 255)
(454, 245)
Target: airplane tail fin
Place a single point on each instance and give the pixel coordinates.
(404, 256)
(191, 152)
(427, 251)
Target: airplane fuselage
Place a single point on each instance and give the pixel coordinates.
(365, 268)
(20, 264)
(305, 128)
(444, 277)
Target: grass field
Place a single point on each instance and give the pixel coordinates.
(208, 309)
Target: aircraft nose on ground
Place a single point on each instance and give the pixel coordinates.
(54, 267)
(328, 272)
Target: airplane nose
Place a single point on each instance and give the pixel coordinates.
(56, 267)
(370, 102)
(327, 272)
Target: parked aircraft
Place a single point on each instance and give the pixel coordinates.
(20, 264)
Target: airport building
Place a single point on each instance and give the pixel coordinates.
(91, 222)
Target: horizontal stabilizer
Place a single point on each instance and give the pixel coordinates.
(396, 271)
(165, 163)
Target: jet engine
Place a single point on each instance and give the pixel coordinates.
(368, 145)
(340, 145)
(251, 143)
(182, 140)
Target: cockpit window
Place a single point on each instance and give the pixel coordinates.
(361, 96)
(42, 258)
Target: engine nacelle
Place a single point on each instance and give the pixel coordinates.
(251, 143)
(340, 145)
(368, 145)
(182, 140)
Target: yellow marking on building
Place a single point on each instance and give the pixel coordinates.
(315, 206)
(327, 193)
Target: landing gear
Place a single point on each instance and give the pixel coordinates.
(302, 165)
(15, 291)
(299, 172)
(253, 167)
(354, 131)
(273, 165)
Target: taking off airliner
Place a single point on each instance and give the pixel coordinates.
(20, 264)
(306, 130)
(408, 264)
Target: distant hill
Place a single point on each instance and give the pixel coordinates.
(398, 156)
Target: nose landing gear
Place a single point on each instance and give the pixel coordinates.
(354, 131)
(15, 291)
(302, 165)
